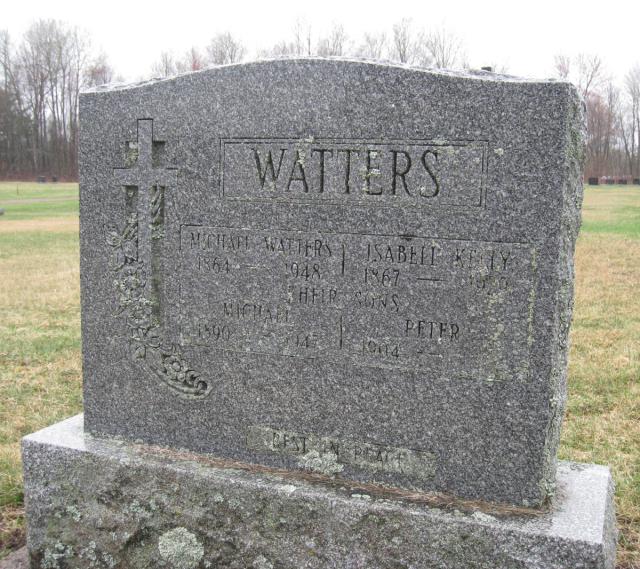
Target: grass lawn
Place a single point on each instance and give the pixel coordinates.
(40, 373)
(25, 200)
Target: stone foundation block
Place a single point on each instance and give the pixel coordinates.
(103, 503)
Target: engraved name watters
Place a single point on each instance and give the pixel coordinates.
(440, 174)
(135, 262)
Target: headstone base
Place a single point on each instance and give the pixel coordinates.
(106, 503)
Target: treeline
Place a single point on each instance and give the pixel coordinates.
(405, 43)
(43, 73)
(40, 80)
(613, 116)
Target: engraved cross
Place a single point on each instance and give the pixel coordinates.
(150, 183)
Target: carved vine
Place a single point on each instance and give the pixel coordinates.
(135, 307)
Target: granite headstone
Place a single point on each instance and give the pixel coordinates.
(325, 314)
(359, 265)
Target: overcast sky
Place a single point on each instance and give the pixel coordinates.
(523, 36)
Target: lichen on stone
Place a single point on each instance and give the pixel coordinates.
(74, 513)
(261, 562)
(322, 463)
(140, 511)
(53, 556)
(180, 549)
(95, 558)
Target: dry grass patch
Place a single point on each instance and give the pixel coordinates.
(60, 225)
(12, 534)
(602, 424)
(40, 376)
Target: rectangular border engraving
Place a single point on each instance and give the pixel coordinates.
(478, 202)
(342, 334)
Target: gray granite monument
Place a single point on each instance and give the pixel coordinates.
(325, 313)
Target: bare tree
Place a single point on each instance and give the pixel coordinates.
(611, 134)
(40, 83)
(373, 45)
(6, 59)
(630, 121)
(165, 66)
(590, 73)
(99, 71)
(602, 114)
(15, 124)
(192, 61)
(403, 45)
(33, 68)
(48, 72)
(441, 48)
(79, 50)
(585, 71)
(612, 96)
(300, 43)
(562, 65)
(279, 49)
(224, 48)
(335, 44)
(302, 38)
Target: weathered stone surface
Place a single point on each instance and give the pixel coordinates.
(368, 258)
(19, 559)
(103, 504)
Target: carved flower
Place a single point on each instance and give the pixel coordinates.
(140, 317)
(174, 368)
(130, 251)
(144, 331)
(124, 243)
(146, 337)
(191, 378)
(130, 282)
(176, 371)
(138, 349)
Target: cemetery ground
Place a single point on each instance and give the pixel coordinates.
(40, 367)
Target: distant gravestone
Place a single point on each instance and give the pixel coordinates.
(594, 181)
(622, 181)
(42, 179)
(352, 271)
(636, 181)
